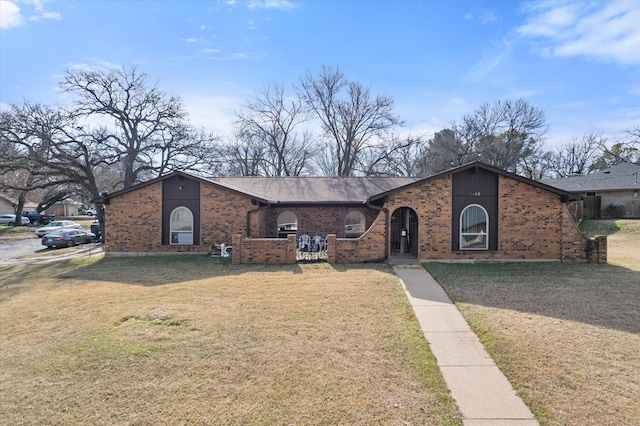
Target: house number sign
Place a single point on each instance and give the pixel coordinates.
(475, 194)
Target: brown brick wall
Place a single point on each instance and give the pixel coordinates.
(532, 223)
(264, 250)
(223, 213)
(368, 247)
(321, 220)
(432, 204)
(134, 220)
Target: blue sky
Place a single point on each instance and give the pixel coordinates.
(439, 60)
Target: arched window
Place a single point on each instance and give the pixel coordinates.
(474, 228)
(354, 224)
(287, 223)
(181, 226)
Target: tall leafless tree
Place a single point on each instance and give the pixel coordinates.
(506, 132)
(578, 156)
(149, 129)
(351, 119)
(503, 134)
(273, 120)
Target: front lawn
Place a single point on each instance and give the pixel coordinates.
(566, 336)
(196, 340)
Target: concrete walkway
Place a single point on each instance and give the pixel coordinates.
(483, 394)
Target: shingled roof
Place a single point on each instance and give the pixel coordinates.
(326, 190)
(624, 176)
(301, 190)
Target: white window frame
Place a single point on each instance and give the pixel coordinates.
(484, 234)
(180, 237)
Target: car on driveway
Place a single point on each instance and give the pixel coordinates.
(68, 238)
(38, 219)
(55, 226)
(91, 212)
(10, 219)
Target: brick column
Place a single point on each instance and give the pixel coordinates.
(236, 249)
(601, 246)
(331, 248)
(292, 244)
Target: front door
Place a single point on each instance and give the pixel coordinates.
(404, 233)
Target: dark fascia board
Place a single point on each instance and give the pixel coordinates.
(479, 165)
(115, 194)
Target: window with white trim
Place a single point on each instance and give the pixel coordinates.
(181, 226)
(474, 228)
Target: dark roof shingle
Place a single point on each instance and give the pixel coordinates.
(620, 177)
(312, 189)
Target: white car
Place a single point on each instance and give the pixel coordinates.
(10, 219)
(91, 212)
(56, 225)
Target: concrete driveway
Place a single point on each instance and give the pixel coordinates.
(14, 252)
(17, 248)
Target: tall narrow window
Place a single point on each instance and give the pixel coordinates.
(474, 228)
(354, 224)
(181, 226)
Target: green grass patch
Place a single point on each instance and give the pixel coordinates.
(566, 336)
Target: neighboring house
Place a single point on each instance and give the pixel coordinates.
(65, 208)
(473, 212)
(612, 192)
(9, 204)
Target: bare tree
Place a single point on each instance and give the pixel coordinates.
(62, 156)
(577, 156)
(352, 121)
(448, 148)
(506, 132)
(272, 120)
(149, 131)
(622, 151)
(243, 156)
(26, 134)
(397, 156)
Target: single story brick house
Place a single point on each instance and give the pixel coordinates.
(474, 212)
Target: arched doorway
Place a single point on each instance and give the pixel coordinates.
(404, 233)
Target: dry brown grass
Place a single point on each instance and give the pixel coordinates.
(195, 340)
(566, 336)
(623, 239)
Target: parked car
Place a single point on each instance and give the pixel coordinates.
(55, 226)
(95, 228)
(67, 238)
(38, 218)
(91, 212)
(10, 219)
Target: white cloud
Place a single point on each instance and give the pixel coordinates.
(488, 17)
(521, 94)
(484, 18)
(605, 31)
(10, 16)
(271, 4)
(214, 113)
(490, 60)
